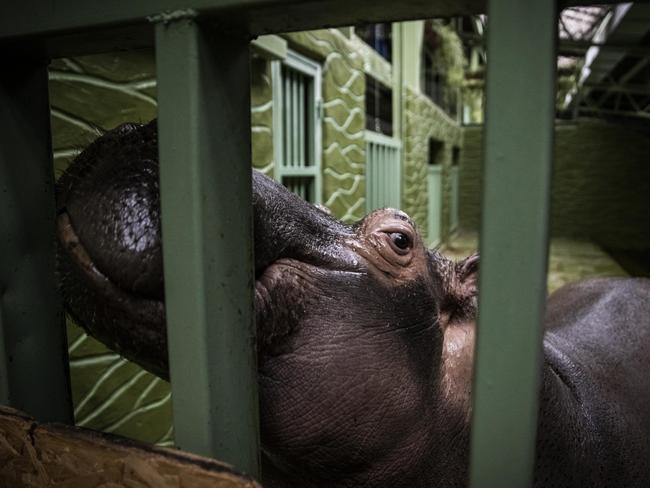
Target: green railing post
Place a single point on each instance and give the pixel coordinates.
(205, 173)
(514, 240)
(33, 354)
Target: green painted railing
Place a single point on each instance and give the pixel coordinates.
(203, 90)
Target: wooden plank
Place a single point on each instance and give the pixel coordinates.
(35, 455)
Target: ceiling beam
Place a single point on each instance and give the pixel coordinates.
(579, 48)
(575, 47)
(638, 66)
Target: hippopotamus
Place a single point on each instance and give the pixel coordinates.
(365, 336)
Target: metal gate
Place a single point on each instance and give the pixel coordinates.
(297, 131)
(383, 171)
(203, 76)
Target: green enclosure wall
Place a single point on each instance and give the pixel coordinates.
(424, 120)
(88, 96)
(601, 183)
(344, 84)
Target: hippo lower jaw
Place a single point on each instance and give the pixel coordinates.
(112, 293)
(117, 316)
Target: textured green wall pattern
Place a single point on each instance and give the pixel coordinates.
(601, 183)
(423, 120)
(93, 94)
(262, 115)
(89, 96)
(344, 157)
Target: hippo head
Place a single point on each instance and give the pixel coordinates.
(364, 334)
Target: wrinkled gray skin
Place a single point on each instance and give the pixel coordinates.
(365, 337)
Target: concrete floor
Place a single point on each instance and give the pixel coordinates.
(570, 260)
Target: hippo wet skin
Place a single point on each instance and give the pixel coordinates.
(365, 337)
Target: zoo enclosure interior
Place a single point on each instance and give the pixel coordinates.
(184, 37)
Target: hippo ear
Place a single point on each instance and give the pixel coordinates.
(467, 273)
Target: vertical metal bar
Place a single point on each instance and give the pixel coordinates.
(394, 177)
(302, 131)
(368, 177)
(377, 164)
(295, 133)
(286, 109)
(33, 371)
(377, 174)
(384, 163)
(289, 110)
(205, 175)
(514, 241)
(377, 180)
(382, 173)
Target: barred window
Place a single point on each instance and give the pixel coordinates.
(296, 127)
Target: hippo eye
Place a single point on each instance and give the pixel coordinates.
(401, 241)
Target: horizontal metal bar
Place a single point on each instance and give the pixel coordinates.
(77, 26)
(620, 113)
(270, 47)
(48, 17)
(384, 140)
(206, 194)
(514, 241)
(33, 372)
(300, 171)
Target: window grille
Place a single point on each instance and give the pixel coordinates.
(383, 171)
(379, 37)
(296, 125)
(379, 107)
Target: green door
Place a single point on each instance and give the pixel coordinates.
(453, 196)
(434, 183)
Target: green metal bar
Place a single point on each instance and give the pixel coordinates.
(514, 241)
(376, 175)
(47, 17)
(33, 367)
(383, 188)
(205, 175)
(295, 128)
(285, 105)
(380, 172)
(302, 132)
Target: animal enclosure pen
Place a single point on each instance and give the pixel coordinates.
(203, 77)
